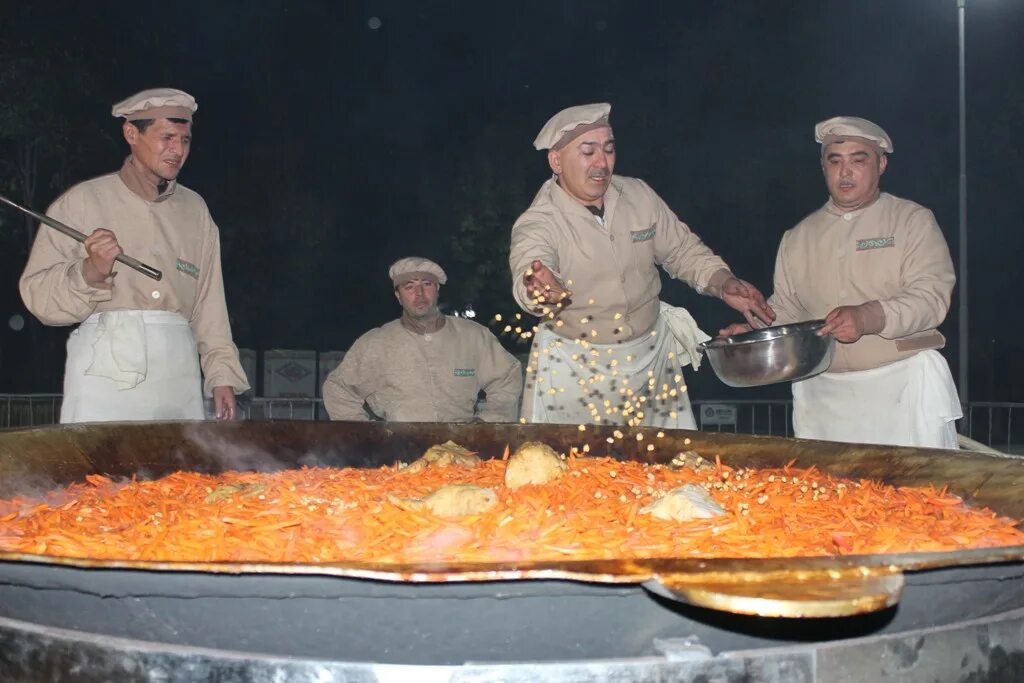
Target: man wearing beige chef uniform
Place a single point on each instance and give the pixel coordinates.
(877, 268)
(425, 366)
(141, 344)
(584, 257)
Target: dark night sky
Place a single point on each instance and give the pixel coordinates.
(327, 145)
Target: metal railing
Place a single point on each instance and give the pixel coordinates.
(769, 417)
(259, 408)
(993, 423)
(32, 410)
(29, 410)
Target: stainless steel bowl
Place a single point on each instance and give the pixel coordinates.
(774, 354)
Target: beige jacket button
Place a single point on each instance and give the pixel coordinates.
(155, 294)
(847, 216)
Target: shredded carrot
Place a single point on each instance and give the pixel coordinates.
(313, 515)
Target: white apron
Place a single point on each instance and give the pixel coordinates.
(912, 402)
(594, 387)
(132, 365)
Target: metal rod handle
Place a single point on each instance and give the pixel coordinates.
(148, 271)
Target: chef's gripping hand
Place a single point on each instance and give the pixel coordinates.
(849, 323)
(735, 328)
(101, 248)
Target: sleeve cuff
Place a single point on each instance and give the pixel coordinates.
(79, 286)
(716, 281)
(240, 385)
(873, 317)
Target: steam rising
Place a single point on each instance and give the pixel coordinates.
(224, 448)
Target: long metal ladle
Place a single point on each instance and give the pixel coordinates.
(148, 271)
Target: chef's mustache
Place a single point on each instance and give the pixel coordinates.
(599, 175)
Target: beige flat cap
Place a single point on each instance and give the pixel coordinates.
(569, 124)
(415, 268)
(839, 128)
(158, 103)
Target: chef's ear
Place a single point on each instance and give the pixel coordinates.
(883, 162)
(555, 161)
(131, 133)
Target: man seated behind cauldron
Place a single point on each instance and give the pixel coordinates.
(425, 366)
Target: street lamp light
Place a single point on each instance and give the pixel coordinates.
(961, 6)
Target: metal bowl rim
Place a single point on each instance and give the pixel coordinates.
(752, 337)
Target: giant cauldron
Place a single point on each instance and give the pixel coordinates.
(919, 616)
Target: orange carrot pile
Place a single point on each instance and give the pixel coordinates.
(315, 515)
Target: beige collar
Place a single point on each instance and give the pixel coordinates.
(833, 208)
(569, 204)
(427, 326)
(138, 183)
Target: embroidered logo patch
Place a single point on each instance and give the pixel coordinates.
(876, 243)
(465, 372)
(643, 235)
(187, 268)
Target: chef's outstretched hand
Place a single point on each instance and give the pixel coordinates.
(849, 323)
(745, 298)
(101, 248)
(224, 403)
(544, 288)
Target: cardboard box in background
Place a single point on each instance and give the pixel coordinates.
(328, 361)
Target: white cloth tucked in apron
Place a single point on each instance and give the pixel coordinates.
(912, 402)
(608, 372)
(132, 365)
(119, 349)
(684, 328)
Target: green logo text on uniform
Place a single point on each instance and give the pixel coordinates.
(876, 243)
(643, 235)
(465, 372)
(187, 268)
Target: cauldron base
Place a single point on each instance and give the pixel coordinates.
(325, 639)
(359, 620)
